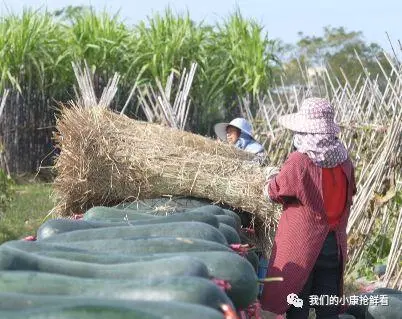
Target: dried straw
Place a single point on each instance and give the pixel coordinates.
(108, 158)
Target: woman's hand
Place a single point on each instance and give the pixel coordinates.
(270, 172)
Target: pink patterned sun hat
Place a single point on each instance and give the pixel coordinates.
(316, 115)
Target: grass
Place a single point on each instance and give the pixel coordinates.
(32, 202)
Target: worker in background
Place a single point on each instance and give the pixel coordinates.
(239, 133)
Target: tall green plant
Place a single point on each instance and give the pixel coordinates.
(238, 60)
(234, 58)
(100, 39)
(243, 52)
(167, 43)
(32, 51)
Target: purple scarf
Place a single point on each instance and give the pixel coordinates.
(325, 150)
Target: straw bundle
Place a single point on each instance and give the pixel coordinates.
(108, 158)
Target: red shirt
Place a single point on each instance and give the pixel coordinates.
(334, 188)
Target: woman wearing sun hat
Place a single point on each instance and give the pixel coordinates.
(315, 185)
(240, 134)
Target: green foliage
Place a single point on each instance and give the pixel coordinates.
(339, 50)
(7, 191)
(100, 39)
(234, 58)
(376, 252)
(238, 60)
(167, 43)
(318, 49)
(7, 195)
(32, 51)
(398, 199)
(241, 47)
(26, 212)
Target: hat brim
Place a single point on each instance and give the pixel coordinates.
(220, 130)
(298, 123)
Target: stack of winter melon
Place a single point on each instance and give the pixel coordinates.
(129, 262)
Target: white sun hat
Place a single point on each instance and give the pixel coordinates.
(241, 123)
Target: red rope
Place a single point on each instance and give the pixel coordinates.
(30, 238)
(77, 216)
(223, 284)
(248, 230)
(240, 249)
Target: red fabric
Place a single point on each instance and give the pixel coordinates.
(302, 228)
(334, 187)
